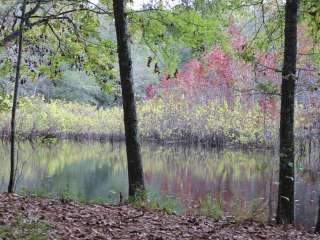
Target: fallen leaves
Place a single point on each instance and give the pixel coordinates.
(72, 221)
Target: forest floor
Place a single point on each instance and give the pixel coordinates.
(31, 218)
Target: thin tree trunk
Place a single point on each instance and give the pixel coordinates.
(14, 104)
(285, 210)
(317, 229)
(135, 170)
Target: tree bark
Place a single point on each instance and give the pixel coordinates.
(285, 210)
(11, 185)
(135, 170)
(317, 229)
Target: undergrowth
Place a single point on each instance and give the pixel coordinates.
(215, 123)
(23, 229)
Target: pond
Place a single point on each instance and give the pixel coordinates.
(244, 182)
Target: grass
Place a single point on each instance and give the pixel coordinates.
(21, 229)
(165, 204)
(64, 195)
(211, 208)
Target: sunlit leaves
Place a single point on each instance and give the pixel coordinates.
(268, 87)
(5, 103)
(167, 31)
(6, 67)
(66, 41)
(311, 12)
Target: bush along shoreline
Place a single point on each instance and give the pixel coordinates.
(213, 124)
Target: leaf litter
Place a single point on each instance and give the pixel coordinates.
(74, 221)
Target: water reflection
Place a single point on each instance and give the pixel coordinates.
(90, 171)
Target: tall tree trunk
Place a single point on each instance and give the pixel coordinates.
(317, 229)
(11, 185)
(135, 170)
(285, 210)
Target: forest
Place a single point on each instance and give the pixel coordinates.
(159, 119)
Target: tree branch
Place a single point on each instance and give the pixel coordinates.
(16, 33)
(45, 19)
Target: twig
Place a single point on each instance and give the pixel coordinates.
(132, 217)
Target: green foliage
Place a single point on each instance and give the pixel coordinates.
(139, 198)
(49, 140)
(311, 14)
(71, 42)
(41, 193)
(254, 209)
(211, 208)
(24, 230)
(6, 67)
(65, 194)
(164, 204)
(166, 32)
(5, 103)
(268, 87)
(98, 200)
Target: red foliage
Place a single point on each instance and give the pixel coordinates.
(238, 42)
(218, 75)
(191, 80)
(266, 67)
(150, 91)
(268, 105)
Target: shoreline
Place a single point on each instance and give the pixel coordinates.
(45, 137)
(98, 137)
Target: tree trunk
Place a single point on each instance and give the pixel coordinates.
(285, 210)
(135, 170)
(11, 185)
(317, 229)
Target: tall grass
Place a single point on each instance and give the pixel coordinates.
(63, 119)
(168, 120)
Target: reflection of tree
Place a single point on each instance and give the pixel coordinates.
(309, 165)
(191, 173)
(228, 193)
(220, 183)
(91, 183)
(54, 167)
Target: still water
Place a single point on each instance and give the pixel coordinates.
(245, 182)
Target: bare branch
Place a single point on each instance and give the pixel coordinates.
(57, 37)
